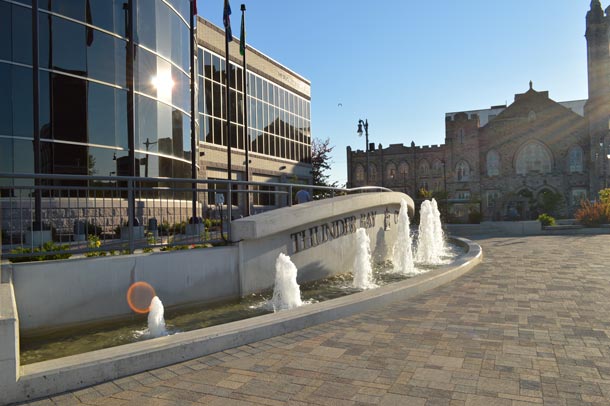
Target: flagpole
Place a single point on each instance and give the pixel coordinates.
(228, 39)
(242, 48)
(194, 113)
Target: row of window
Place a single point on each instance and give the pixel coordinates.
(82, 47)
(80, 111)
(212, 68)
(261, 116)
(17, 156)
(533, 157)
(278, 120)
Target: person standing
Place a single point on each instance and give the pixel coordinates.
(303, 196)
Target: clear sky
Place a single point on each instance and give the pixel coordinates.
(403, 64)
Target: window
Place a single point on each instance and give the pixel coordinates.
(578, 195)
(372, 173)
(437, 168)
(575, 158)
(531, 116)
(403, 171)
(492, 197)
(391, 172)
(359, 173)
(463, 194)
(462, 171)
(460, 135)
(533, 157)
(424, 168)
(493, 163)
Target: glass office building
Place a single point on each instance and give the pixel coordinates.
(103, 87)
(65, 81)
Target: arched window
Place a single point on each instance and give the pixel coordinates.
(462, 171)
(493, 163)
(390, 172)
(437, 168)
(575, 158)
(359, 173)
(531, 116)
(533, 157)
(424, 168)
(372, 173)
(403, 170)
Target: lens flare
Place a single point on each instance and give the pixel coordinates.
(139, 296)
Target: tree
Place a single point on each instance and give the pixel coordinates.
(320, 164)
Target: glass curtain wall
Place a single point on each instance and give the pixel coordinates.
(278, 119)
(82, 92)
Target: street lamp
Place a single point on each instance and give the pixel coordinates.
(365, 123)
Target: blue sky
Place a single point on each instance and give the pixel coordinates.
(403, 64)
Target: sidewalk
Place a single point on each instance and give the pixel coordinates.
(530, 326)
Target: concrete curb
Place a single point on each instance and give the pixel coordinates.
(69, 373)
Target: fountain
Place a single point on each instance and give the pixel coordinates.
(403, 253)
(286, 292)
(156, 322)
(439, 236)
(363, 272)
(430, 240)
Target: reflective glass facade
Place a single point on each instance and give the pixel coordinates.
(73, 101)
(78, 55)
(278, 119)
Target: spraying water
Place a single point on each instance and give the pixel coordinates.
(156, 322)
(286, 292)
(403, 252)
(439, 236)
(430, 241)
(363, 272)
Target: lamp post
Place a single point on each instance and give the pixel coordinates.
(365, 124)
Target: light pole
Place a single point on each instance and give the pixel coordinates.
(365, 123)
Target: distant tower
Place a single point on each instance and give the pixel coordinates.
(597, 108)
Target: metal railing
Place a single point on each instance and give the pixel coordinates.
(53, 216)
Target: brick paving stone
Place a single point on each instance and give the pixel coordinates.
(529, 326)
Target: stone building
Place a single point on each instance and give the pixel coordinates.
(506, 160)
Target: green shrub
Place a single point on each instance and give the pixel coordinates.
(93, 243)
(593, 214)
(39, 253)
(546, 220)
(604, 196)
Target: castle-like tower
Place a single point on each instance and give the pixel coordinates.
(597, 108)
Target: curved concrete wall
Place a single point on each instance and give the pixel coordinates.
(59, 294)
(318, 236)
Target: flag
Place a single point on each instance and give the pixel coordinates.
(226, 19)
(242, 36)
(194, 3)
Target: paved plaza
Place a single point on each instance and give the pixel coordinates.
(529, 326)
